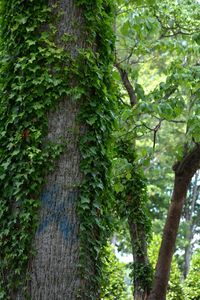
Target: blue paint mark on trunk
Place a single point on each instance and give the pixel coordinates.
(56, 212)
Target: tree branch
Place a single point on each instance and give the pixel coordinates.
(189, 164)
(127, 84)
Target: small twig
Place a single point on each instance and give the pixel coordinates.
(126, 58)
(122, 101)
(155, 133)
(173, 121)
(176, 121)
(175, 34)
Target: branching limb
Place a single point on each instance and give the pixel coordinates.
(127, 84)
(190, 163)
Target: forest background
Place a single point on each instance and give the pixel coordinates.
(157, 56)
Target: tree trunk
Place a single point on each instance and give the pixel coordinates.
(138, 230)
(187, 257)
(140, 259)
(168, 242)
(53, 271)
(184, 171)
(188, 235)
(57, 89)
(189, 212)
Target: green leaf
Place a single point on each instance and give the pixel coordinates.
(125, 28)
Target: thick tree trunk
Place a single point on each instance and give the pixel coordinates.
(57, 57)
(184, 171)
(53, 271)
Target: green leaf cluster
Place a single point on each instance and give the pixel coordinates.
(114, 273)
(192, 282)
(97, 107)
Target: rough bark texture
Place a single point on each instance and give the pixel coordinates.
(184, 170)
(53, 271)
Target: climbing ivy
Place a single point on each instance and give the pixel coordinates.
(131, 205)
(34, 77)
(95, 73)
(27, 59)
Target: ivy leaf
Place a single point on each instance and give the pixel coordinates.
(118, 187)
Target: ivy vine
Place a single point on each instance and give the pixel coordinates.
(131, 196)
(97, 110)
(33, 65)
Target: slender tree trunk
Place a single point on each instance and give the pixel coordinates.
(187, 257)
(137, 230)
(168, 242)
(184, 171)
(140, 259)
(188, 235)
(189, 211)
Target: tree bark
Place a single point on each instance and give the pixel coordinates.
(187, 256)
(184, 171)
(54, 269)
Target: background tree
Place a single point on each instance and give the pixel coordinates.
(150, 33)
(190, 221)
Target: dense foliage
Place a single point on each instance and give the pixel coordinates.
(192, 283)
(114, 274)
(27, 59)
(157, 67)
